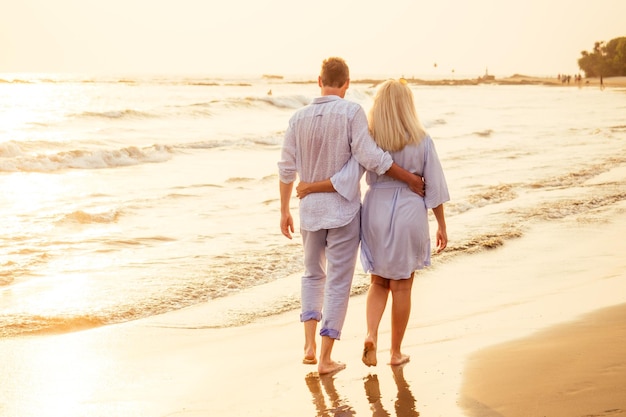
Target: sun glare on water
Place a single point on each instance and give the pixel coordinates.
(30, 193)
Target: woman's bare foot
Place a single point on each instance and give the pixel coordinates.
(369, 353)
(399, 359)
(329, 368)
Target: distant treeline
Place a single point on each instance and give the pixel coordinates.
(606, 59)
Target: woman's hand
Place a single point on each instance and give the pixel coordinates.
(303, 189)
(442, 239)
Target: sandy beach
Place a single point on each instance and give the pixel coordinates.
(174, 365)
(574, 369)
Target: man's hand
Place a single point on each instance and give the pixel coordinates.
(286, 225)
(414, 181)
(417, 185)
(286, 221)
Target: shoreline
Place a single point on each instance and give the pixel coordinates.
(174, 364)
(516, 79)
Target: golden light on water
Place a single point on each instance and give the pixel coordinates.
(40, 234)
(30, 192)
(27, 103)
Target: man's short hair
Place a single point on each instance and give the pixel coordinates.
(334, 72)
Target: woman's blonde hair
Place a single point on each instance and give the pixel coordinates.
(393, 120)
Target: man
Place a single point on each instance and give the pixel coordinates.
(320, 139)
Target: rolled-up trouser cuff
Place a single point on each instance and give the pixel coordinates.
(333, 334)
(310, 315)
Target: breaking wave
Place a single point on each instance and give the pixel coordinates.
(82, 217)
(117, 114)
(82, 159)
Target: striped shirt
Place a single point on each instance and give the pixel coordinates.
(320, 139)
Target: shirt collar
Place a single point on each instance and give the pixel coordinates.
(326, 99)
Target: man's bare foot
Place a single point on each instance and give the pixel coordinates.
(329, 368)
(399, 359)
(369, 353)
(309, 355)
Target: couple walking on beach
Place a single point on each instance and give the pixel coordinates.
(329, 144)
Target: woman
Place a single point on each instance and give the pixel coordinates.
(395, 240)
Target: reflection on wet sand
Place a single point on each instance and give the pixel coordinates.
(405, 401)
(338, 406)
(372, 391)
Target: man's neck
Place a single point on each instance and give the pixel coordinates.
(333, 91)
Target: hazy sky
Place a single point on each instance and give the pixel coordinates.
(390, 37)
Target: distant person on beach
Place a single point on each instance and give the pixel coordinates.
(320, 139)
(394, 221)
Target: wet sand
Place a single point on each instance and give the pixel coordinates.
(574, 369)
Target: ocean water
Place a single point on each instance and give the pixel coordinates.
(123, 198)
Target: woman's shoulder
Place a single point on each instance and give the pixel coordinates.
(425, 142)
